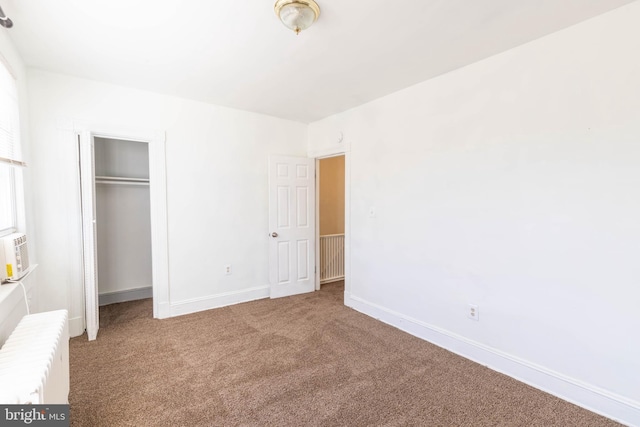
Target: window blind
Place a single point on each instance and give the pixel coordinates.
(9, 119)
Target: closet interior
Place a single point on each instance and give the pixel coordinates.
(123, 220)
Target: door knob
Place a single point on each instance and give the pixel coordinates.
(274, 234)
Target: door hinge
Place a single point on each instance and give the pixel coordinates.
(315, 270)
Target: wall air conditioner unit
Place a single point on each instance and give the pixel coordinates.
(14, 258)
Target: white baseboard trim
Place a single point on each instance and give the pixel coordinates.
(590, 397)
(76, 326)
(124, 296)
(219, 300)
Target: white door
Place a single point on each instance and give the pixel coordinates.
(89, 233)
(291, 225)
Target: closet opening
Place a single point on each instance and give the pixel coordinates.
(123, 203)
(123, 222)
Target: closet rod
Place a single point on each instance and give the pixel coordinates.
(121, 180)
(105, 181)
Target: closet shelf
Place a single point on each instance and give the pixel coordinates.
(121, 180)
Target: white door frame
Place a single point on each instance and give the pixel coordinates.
(159, 224)
(347, 214)
(89, 232)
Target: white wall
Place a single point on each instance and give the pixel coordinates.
(217, 160)
(512, 183)
(124, 237)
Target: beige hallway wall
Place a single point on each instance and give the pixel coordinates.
(331, 195)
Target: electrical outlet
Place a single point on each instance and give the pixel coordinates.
(473, 312)
(227, 269)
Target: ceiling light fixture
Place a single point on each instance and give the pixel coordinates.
(297, 15)
(4, 20)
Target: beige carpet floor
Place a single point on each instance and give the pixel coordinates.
(300, 361)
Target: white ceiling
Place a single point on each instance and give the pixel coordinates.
(236, 53)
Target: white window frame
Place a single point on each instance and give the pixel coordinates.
(12, 159)
(13, 202)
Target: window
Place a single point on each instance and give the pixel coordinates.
(10, 153)
(7, 201)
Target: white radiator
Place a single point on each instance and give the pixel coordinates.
(331, 258)
(34, 361)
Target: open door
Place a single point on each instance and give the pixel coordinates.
(291, 225)
(89, 232)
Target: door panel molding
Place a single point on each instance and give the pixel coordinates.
(291, 225)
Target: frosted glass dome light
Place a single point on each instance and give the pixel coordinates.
(297, 15)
